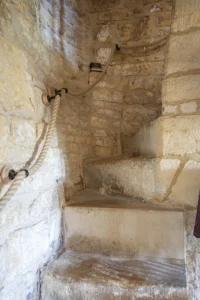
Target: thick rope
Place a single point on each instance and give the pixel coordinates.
(21, 175)
(143, 44)
(98, 79)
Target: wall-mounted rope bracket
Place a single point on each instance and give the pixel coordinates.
(46, 99)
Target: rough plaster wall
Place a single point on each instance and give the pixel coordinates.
(130, 94)
(43, 44)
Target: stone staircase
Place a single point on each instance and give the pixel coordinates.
(120, 243)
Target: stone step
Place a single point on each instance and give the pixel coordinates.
(103, 224)
(93, 277)
(145, 178)
(166, 136)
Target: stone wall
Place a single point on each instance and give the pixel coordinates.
(181, 115)
(44, 44)
(130, 94)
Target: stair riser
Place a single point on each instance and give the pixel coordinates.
(148, 179)
(114, 231)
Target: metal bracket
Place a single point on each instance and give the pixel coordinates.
(7, 173)
(46, 99)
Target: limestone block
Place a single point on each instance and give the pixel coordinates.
(5, 131)
(26, 209)
(103, 55)
(163, 19)
(96, 6)
(102, 151)
(128, 240)
(189, 107)
(150, 1)
(15, 154)
(170, 109)
(114, 15)
(48, 174)
(32, 246)
(186, 188)
(132, 31)
(138, 96)
(108, 112)
(181, 135)
(109, 95)
(104, 34)
(187, 15)
(141, 82)
(14, 62)
(156, 68)
(183, 52)
(183, 88)
(130, 3)
(100, 122)
(105, 141)
(116, 82)
(103, 132)
(135, 115)
(23, 132)
(169, 136)
(116, 107)
(23, 286)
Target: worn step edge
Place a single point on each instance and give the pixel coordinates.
(74, 276)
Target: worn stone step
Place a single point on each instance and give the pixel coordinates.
(103, 225)
(175, 136)
(148, 179)
(94, 277)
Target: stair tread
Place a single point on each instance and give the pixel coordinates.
(124, 272)
(92, 198)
